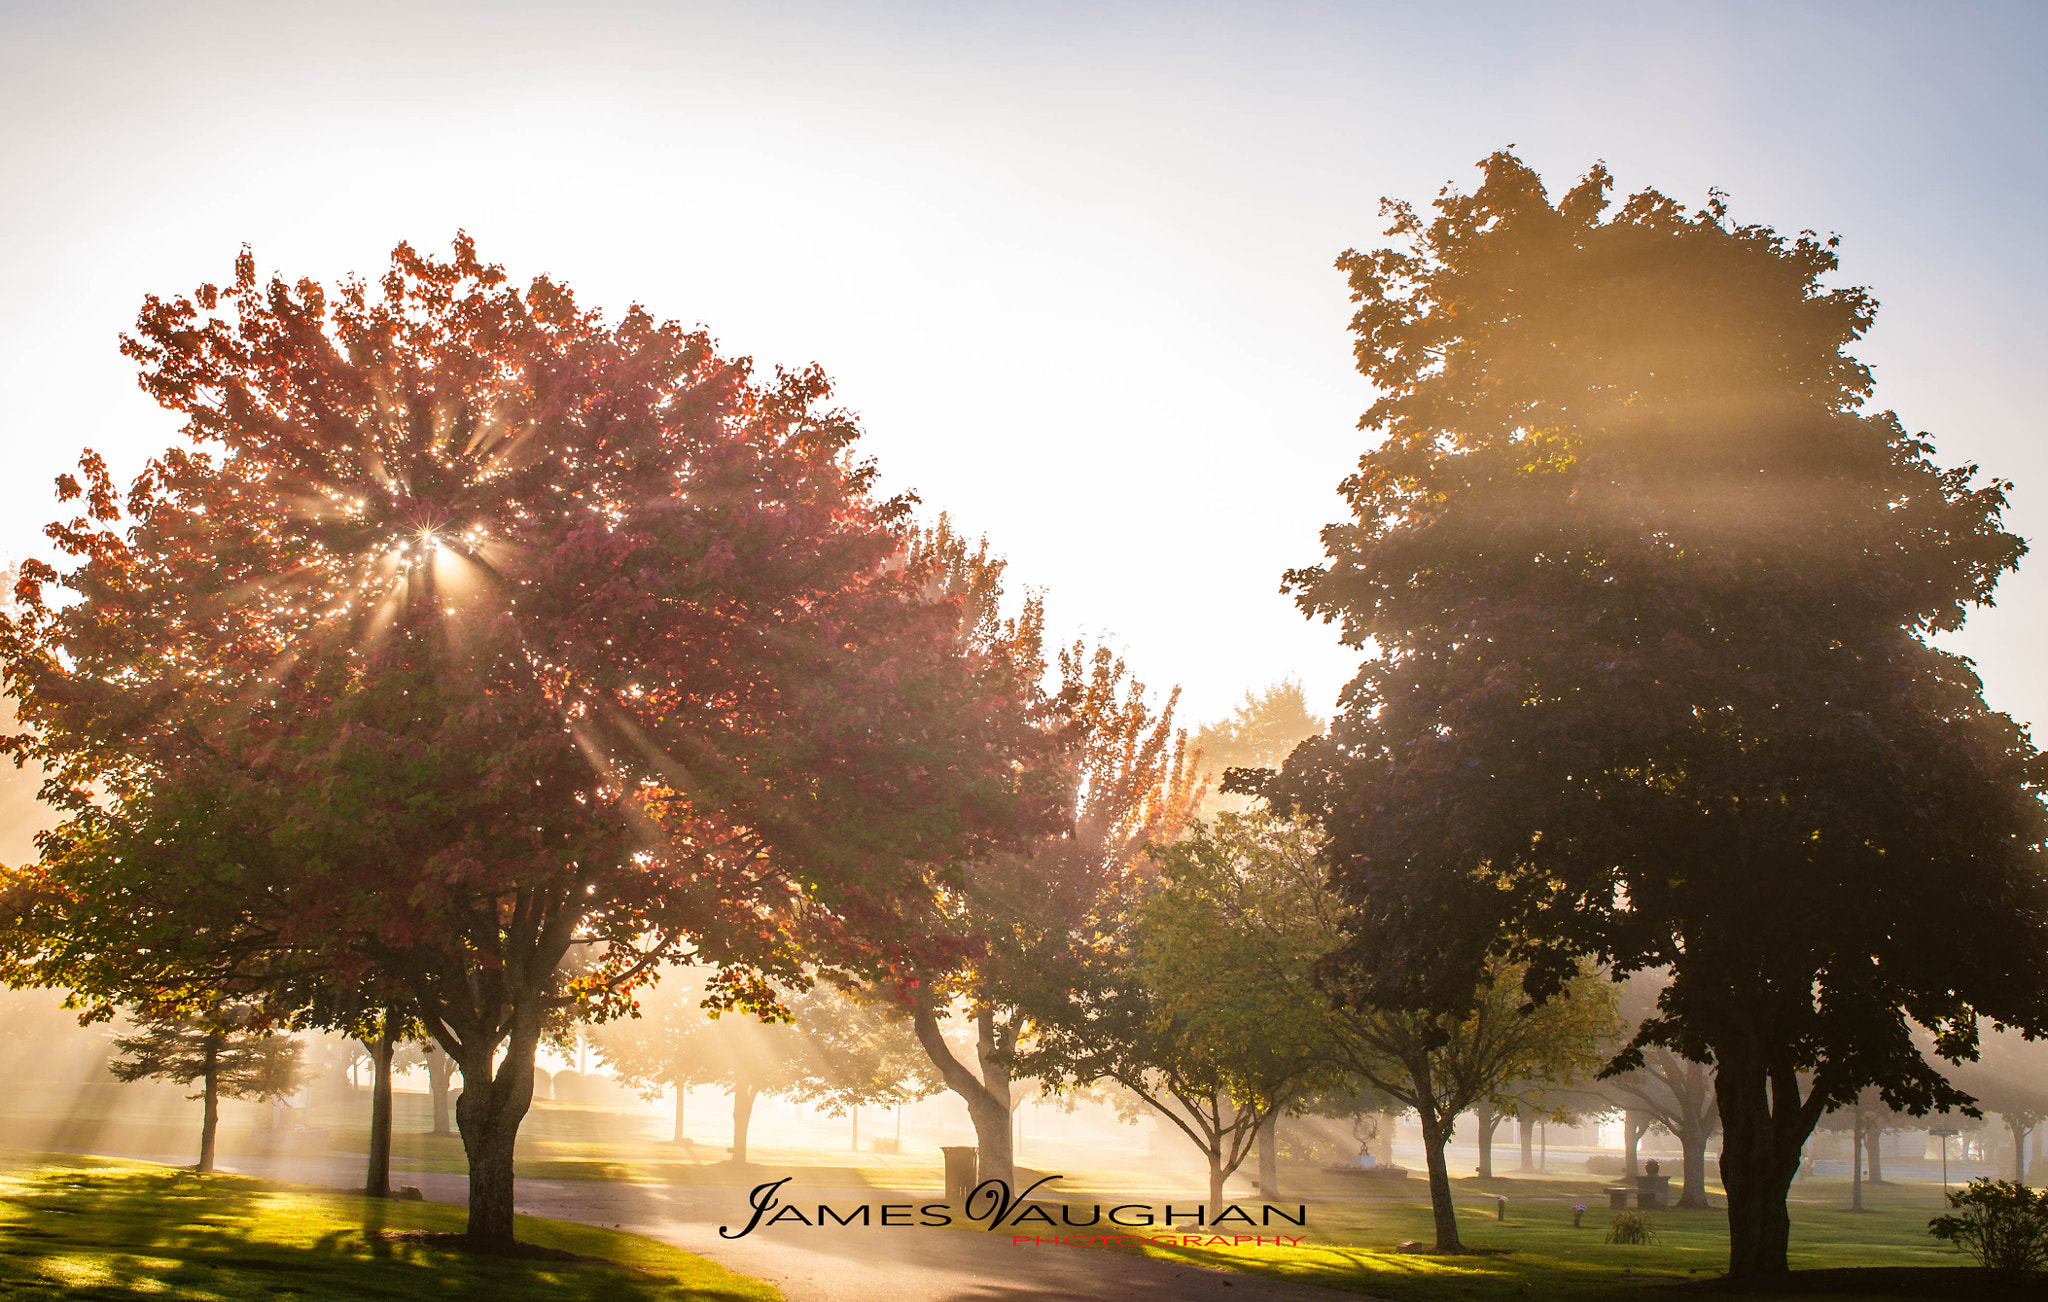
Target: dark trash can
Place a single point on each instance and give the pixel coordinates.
(960, 1167)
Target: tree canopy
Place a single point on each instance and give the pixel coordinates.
(465, 627)
(1651, 604)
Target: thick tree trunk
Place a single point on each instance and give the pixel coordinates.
(855, 1112)
(1632, 1127)
(209, 1119)
(2019, 1151)
(1487, 1121)
(488, 1114)
(1216, 1178)
(1445, 1213)
(377, 1182)
(1269, 1157)
(742, 1117)
(1764, 1126)
(1692, 1142)
(439, 1068)
(995, 1158)
(1873, 1145)
(987, 1095)
(1525, 1121)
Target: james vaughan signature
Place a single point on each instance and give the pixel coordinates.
(993, 1202)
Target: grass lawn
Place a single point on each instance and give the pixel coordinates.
(1351, 1245)
(84, 1228)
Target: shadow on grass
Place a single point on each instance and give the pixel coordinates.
(1881, 1282)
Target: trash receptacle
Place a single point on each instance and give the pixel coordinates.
(960, 1169)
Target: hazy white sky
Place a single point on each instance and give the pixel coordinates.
(1071, 263)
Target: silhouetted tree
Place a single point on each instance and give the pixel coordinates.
(1651, 605)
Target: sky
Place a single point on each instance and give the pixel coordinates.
(1070, 263)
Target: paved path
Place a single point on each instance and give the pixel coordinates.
(855, 1264)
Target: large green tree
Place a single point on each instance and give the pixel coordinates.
(466, 628)
(1651, 603)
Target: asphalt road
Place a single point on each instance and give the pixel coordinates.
(854, 1264)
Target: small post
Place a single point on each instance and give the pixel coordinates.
(1500, 1207)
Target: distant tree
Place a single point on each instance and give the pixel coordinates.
(1666, 1090)
(440, 1070)
(1114, 777)
(221, 1051)
(1440, 1065)
(857, 1051)
(2010, 1080)
(1649, 603)
(1863, 1119)
(1258, 734)
(1203, 1006)
(675, 1040)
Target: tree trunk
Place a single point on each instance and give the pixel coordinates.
(742, 1116)
(209, 1120)
(377, 1182)
(1434, 1136)
(1856, 1162)
(987, 1096)
(1525, 1121)
(1873, 1144)
(1764, 1125)
(855, 1112)
(1692, 1142)
(1488, 1121)
(1632, 1128)
(1269, 1157)
(440, 1067)
(682, 1093)
(2019, 1151)
(488, 1115)
(994, 1157)
(1216, 1177)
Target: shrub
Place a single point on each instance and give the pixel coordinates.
(1605, 1164)
(2005, 1225)
(1630, 1227)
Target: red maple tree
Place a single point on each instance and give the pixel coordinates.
(496, 654)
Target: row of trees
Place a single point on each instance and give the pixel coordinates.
(475, 659)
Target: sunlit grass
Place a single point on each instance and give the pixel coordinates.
(113, 1230)
(1354, 1225)
(1539, 1253)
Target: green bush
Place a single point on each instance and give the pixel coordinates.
(1630, 1227)
(2004, 1224)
